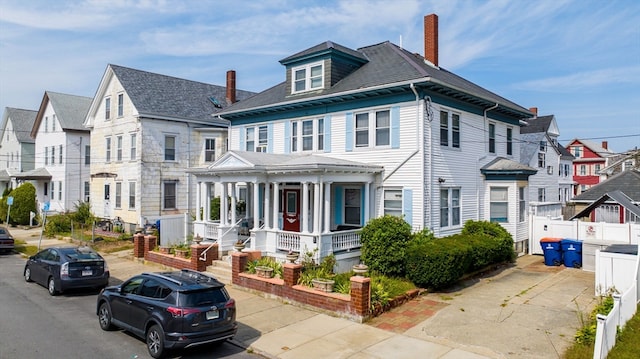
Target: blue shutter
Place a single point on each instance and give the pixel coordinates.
(407, 205)
(243, 136)
(395, 127)
(287, 137)
(327, 133)
(349, 129)
(338, 205)
(270, 138)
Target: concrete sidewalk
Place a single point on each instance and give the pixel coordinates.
(521, 311)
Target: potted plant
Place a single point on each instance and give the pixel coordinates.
(323, 284)
(182, 250)
(239, 245)
(292, 256)
(264, 271)
(360, 269)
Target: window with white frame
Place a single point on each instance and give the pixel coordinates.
(543, 146)
(118, 194)
(492, 138)
(120, 105)
(499, 204)
(119, 148)
(53, 155)
(60, 154)
(46, 155)
(352, 198)
(169, 148)
(209, 149)
(596, 168)
(522, 204)
(87, 154)
(134, 144)
(46, 124)
(541, 160)
(53, 123)
(509, 141)
(393, 202)
(376, 132)
(257, 142)
(307, 135)
(107, 108)
(108, 149)
(59, 190)
(53, 190)
(307, 77)
(169, 195)
(576, 151)
(87, 191)
(541, 195)
(583, 170)
(449, 207)
(449, 129)
(132, 195)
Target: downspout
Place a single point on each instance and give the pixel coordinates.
(486, 136)
(413, 88)
(189, 175)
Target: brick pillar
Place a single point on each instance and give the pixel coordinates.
(150, 243)
(138, 246)
(360, 295)
(196, 253)
(238, 264)
(291, 273)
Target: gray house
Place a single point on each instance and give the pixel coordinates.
(17, 148)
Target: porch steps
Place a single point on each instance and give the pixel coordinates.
(221, 270)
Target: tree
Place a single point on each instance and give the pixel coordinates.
(384, 241)
(24, 202)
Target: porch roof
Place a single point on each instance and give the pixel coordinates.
(36, 174)
(260, 162)
(616, 196)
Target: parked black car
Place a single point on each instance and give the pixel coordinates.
(63, 268)
(6, 240)
(170, 310)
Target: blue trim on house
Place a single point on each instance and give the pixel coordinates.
(395, 127)
(407, 205)
(287, 136)
(270, 138)
(348, 142)
(327, 134)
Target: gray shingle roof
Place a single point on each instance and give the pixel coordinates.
(325, 46)
(617, 196)
(22, 121)
(626, 181)
(155, 95)
(71, 110)
(506, 165)
(388, 65)
(538, 124)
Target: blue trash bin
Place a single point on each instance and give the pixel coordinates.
(572, 253)
(552, 251)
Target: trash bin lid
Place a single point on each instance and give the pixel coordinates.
(622, 248)
(571, 241)
(549, 239)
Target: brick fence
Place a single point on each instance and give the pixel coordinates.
(354, 306)
(144, 245)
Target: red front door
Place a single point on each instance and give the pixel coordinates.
(291, 213)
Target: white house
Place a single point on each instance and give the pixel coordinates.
(17, 148)
(61, 172)
(146, 130)
(351, 135)
(552, 186)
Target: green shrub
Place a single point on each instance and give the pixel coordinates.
(265, 262)
(384, 242)
(83, 213)
(24, 202)
(435, 264)
(501, 240)
(215, 209)
(57, 223)
(311, 271)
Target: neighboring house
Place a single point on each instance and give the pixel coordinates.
(17, 148)
(351, 135)
(623, 162)
(551, 187)
(590, 158)
(146, 130)
(614, 200)
(61, 174)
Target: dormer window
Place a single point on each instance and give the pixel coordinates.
(308, 77)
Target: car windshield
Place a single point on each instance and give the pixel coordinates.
(3, 231)
(81, 254)
(204, 297)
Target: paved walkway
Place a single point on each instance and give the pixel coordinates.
(523, 311)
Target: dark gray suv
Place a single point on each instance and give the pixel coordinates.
(170, 310)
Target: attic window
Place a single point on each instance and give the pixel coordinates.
(215, 102)
(307, 77)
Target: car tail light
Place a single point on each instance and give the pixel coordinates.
(231, 303)
(106, 267)
(64, 269)
(181, 312)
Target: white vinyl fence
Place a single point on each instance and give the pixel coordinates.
(174, 229)
(624, 308)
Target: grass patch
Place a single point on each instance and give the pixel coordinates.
(22, 247)
(628, 342)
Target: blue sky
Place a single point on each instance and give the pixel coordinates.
(576, 59)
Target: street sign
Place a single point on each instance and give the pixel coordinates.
(10, 200)
(46, 206)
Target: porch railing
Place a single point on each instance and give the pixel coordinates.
(203, 256)
(288, 241)
(345, 240)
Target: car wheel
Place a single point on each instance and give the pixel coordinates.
(155, 341)
(27, 274)
(51, 286)
(104, 317)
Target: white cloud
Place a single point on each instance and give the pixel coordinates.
(584, 80)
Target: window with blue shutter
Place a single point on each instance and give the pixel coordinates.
(327, 134)
(407, 205)
(395, 127)
(287, 137)
(242, 135)
(270, 138)
(349, 132)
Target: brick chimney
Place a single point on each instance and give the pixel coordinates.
(534, 110)
(605, 145)
(231, 86)
(431, 38)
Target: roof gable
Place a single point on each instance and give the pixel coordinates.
(22, 122)
(629, 181)
(70, 111)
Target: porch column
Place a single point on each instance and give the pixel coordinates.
(276, 204)
(233, 203)
(267, 205)
(305, 207)
(317, 207)
(327, 207)
(207, 207)
(256, 199)
(199, 202)
(367, 210)
(223, 204)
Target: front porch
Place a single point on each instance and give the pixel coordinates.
(315, 206)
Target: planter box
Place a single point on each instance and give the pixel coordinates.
(264, 272)
(182, 253)
(165, 250)
(324, 285)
